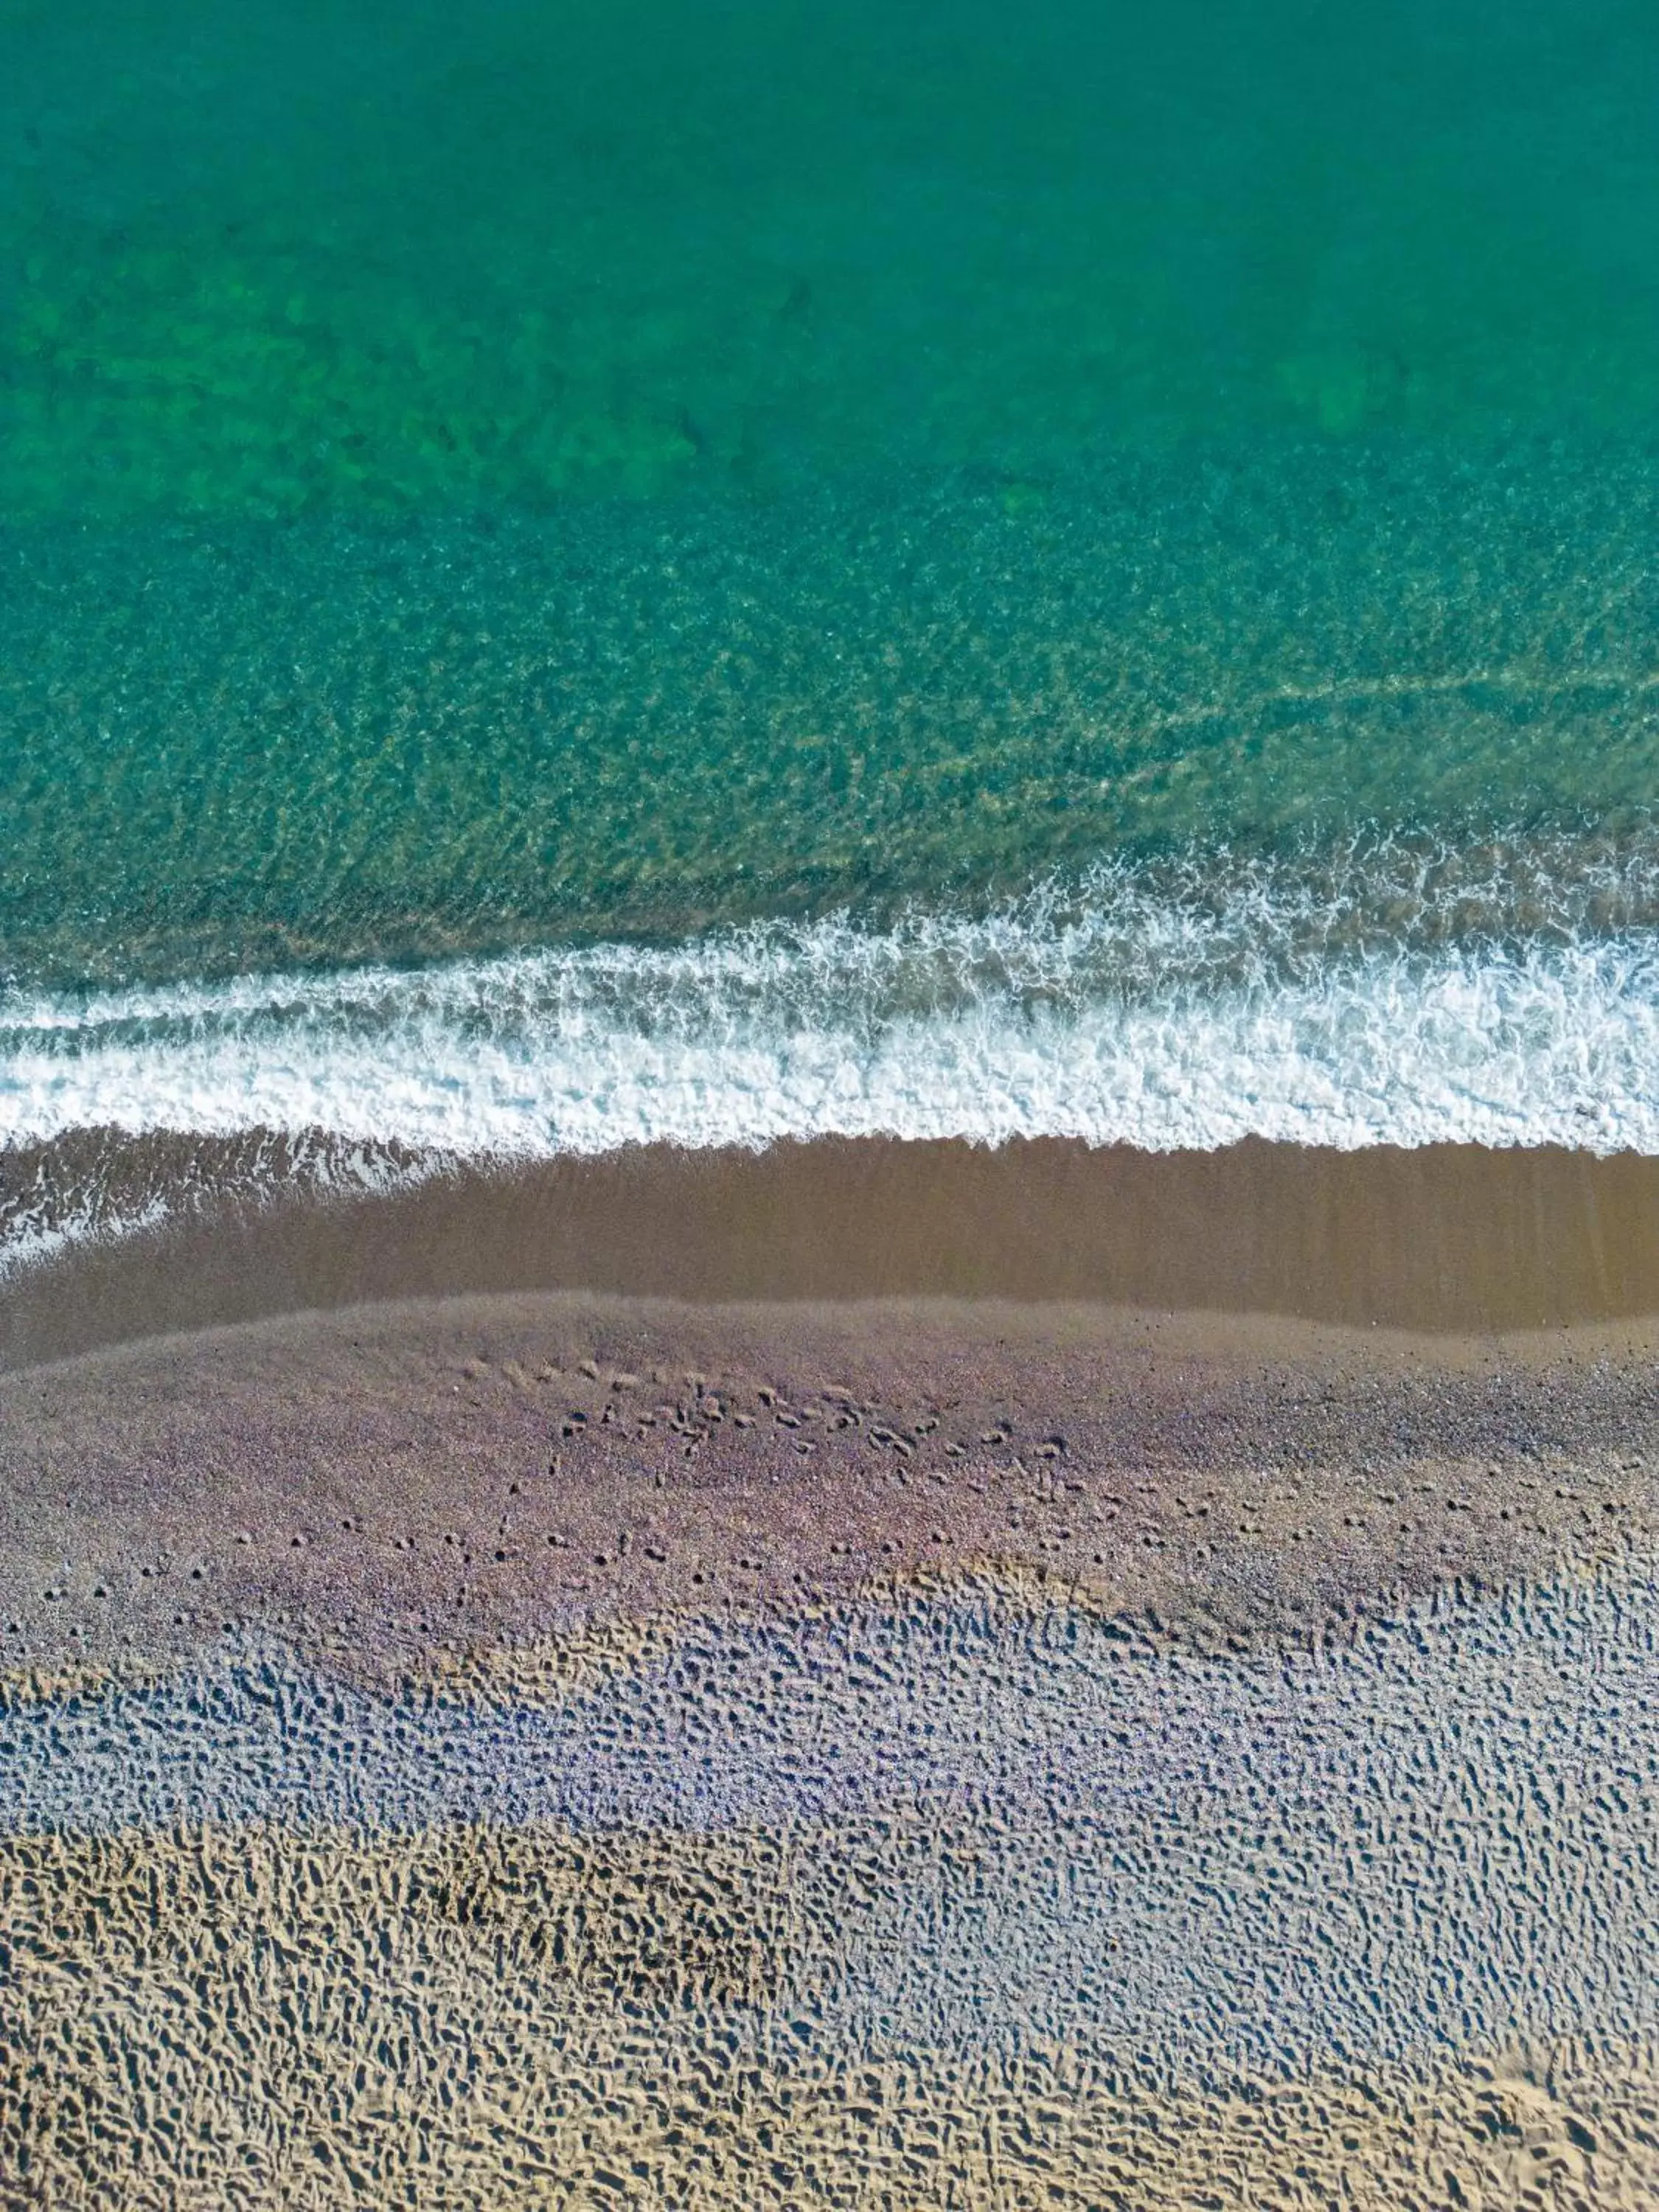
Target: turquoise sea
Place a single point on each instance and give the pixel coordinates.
(726, 569)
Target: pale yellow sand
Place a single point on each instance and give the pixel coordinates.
(480, 2020)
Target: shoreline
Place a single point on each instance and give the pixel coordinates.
(1445, 1238)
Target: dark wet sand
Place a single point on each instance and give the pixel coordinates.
(1442, 1238)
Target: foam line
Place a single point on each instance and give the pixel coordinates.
(1185, 1014)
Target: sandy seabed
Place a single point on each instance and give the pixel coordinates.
(543, 1748)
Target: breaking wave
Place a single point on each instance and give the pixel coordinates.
(1391, 994)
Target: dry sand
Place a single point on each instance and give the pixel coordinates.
(549, 1749)
(461, 2020)
(405, 1481)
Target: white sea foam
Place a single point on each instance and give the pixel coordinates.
(1118, 1012)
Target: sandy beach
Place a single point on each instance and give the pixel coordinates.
(414, 1476)
(560, 1749)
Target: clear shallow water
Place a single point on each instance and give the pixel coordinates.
(536, 491)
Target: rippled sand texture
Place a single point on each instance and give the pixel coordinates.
(551, 1752)
(951, 1898)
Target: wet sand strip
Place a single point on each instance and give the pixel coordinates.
(1440, 1238)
